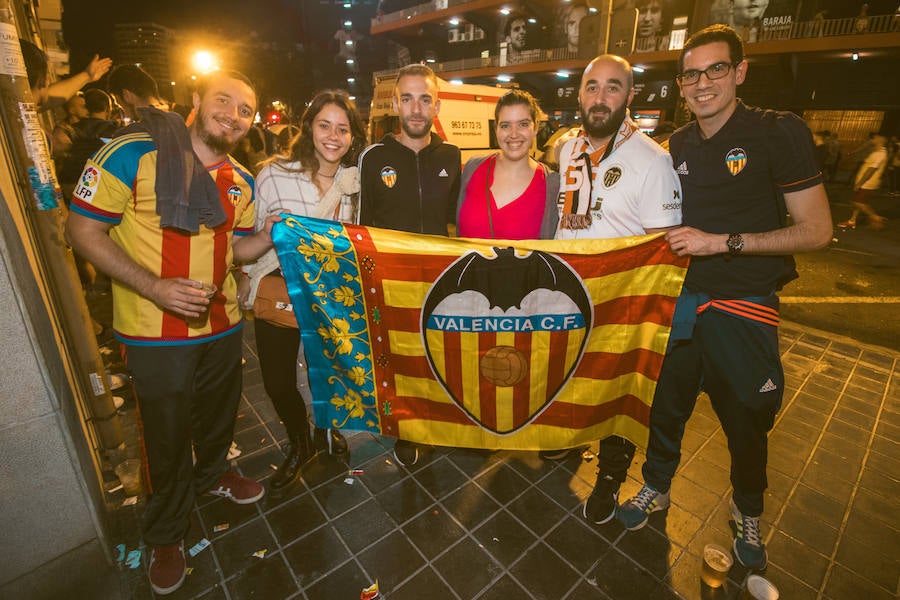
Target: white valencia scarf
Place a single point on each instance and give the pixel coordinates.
(583, 161)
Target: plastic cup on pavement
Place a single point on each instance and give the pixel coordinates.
(717, 562)
(129, 473)
(759, 588)
(209, 289)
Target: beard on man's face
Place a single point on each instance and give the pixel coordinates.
(416, 131)
(217, 143)
(608, 123)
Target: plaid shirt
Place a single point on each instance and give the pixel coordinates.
(282, 187)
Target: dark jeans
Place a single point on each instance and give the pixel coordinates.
(733, 360)
(614, 458)
(277, 348)
(187, 395)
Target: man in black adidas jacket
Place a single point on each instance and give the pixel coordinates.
(410, 181)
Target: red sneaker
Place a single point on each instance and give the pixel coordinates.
(167, 568)
(239, 490)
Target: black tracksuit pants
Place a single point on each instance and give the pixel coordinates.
(187, 395)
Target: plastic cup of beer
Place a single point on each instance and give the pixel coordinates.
(129, 473)
(209, 290)
(759, 588)
(717, 562)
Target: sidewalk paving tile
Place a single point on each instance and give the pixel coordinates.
(478, 525)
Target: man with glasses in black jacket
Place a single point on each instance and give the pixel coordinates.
(742, 170)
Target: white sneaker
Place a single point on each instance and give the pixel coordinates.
(234, 451)
(116, 380)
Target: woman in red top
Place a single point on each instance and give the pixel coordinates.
(508, 195)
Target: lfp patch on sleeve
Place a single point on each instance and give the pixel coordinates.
(87, 184)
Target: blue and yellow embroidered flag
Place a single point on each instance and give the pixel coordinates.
(480, 343)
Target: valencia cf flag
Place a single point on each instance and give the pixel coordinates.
(480, 343)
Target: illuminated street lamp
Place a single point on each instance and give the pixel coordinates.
(204, 61)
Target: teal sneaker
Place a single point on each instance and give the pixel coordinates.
(633, 514)
(748, 546)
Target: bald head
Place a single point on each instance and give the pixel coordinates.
(606, 91)
(610, 60)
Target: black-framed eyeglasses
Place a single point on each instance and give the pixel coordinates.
(716, 71)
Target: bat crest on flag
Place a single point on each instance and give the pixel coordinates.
(456, 342)
(503, 333)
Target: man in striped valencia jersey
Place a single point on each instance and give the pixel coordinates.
(742, 170)
(183, 343)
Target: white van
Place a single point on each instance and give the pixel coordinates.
(466, 118)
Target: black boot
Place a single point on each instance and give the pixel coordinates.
(330, 441)
(300, 453)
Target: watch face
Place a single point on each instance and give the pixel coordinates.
(735, 243)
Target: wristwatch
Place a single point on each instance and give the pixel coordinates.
(735, 243)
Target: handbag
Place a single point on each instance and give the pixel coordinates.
(269, 292)
(272, 303)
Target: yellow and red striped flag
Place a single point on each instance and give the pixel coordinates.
(480, 343)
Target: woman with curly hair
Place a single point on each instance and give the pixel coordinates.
(316, 179)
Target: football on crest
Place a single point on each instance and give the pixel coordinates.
(504, 366)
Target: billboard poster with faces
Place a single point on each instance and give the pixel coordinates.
(519, 40)
(755, 20)
(568, 25)
(655, 18)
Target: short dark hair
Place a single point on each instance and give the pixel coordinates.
(518, 97)
(513, 17)
(710, 35)
(204, 82)
(35, 64)
(416, 70)
(134, 79)
(97, 101)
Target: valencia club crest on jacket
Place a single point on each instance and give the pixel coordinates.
(389, 176)
(736, 160)
(503, 333)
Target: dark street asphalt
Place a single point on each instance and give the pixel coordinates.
(851, 288)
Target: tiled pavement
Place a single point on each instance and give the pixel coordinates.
(465, 524)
